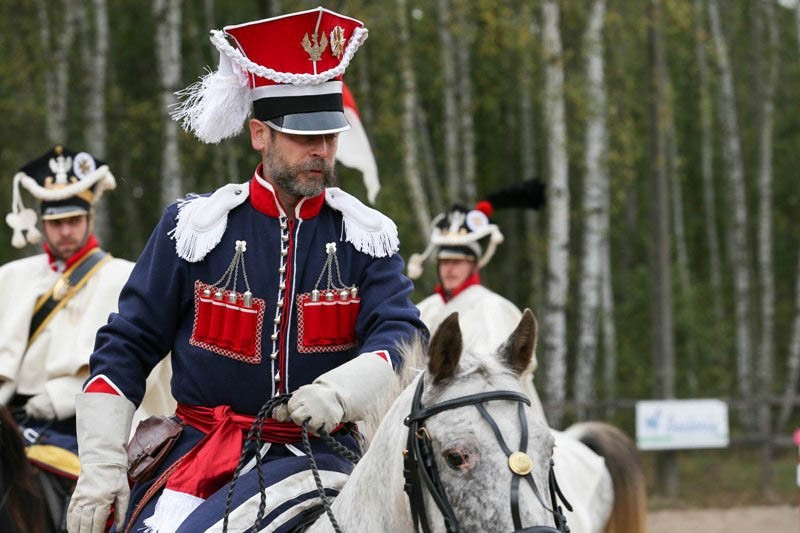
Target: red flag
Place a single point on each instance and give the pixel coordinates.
(354, 149)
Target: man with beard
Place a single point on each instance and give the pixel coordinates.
(284, 285)
(55, 302)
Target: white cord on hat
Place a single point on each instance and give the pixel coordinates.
(23, 219)
(221, 43)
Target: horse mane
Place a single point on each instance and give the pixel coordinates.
(21, 501)
(414, 360)
(629, 513)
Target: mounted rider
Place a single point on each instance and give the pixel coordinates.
(55, 302)
(457, 241)
(281, 285)
(462, 241)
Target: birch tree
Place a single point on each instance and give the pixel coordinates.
(661, 318)
(452, 171)
(527, 150)
(766, 358)
(706, 158)
(97, 127)
(167, 14)
(555, 321)
(595, 198)
(466, 125)
(57, 77)
(609, 329)
(410, 163)
(738, 242)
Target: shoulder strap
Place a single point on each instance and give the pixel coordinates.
(63, 289)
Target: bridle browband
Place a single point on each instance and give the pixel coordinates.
(420, 467)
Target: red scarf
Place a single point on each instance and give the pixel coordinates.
(91, 244)
(472, 279)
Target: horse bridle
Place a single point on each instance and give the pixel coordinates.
(420, 467)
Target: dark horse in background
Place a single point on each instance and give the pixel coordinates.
(21, 501)
(22, 504)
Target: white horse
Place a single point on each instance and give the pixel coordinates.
(469, 455)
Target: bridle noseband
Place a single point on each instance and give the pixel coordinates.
(420, 466)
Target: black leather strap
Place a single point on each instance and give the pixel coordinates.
(73, 279)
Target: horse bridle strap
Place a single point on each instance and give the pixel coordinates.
(420, 466)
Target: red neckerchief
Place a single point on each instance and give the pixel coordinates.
(472, 279)
(266, 201)
(91, 244)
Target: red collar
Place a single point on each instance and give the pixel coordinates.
(91, 244)
(264, 199)
(473, 279)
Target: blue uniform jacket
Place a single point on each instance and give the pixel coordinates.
(283, 259)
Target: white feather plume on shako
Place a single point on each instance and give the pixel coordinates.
(66, 183)
(292, 68)
(460, 232)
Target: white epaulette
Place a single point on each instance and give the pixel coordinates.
(202, 220)
(369, 230)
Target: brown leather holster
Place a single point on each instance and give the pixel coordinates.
(150, 444)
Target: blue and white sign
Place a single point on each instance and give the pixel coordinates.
(681, 424)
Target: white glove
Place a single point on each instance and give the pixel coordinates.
(342, 395)
(103, 423)
(41, 407)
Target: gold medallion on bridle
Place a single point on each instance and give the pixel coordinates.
(520, 463)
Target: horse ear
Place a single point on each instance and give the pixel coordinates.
(444, 350)
(518, 349)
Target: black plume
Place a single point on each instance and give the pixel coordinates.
(529, 194)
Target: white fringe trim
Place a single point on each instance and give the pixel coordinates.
(202, 220)
(369, 230)
(172, 508)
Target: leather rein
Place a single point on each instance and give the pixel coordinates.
(421, 473)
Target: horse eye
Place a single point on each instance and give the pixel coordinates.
(454, 459)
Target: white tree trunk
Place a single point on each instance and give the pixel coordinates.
(467, 128)
(661, 306)
(411, 165)
(57, 75)
(595, 193)
(766, 274)
(97, 128)
(738, 242)
(527, 153)
(706, 165)
(766, 359)
(609, 330)
(452, 170)
(167, 14)
(555, 322)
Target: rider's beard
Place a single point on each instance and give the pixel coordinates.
(309, 178)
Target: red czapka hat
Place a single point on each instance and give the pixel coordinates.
(290, 67)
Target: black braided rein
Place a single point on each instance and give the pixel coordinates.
(255, 434)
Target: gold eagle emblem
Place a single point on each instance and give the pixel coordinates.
(313, 47)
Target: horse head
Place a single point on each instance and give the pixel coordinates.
(491, 454)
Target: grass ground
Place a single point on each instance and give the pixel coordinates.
(725, 478)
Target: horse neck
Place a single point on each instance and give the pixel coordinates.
(373, 497)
